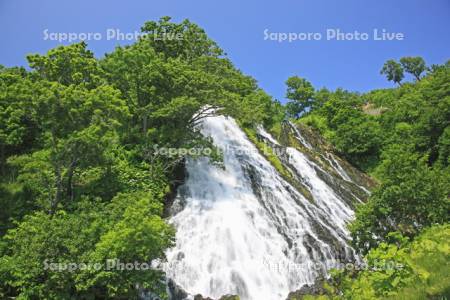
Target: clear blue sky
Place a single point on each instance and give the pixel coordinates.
(238, 27)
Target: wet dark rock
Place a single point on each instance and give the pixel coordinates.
(315, 289)
(229, 297)
(297, 181)
(324, 156)
(175, 291)
(321, 146)
(226, 297)
(172, 204)
(200, 297)
(262, 193)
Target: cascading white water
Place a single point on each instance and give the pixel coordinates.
(267, 135)
(244, 230)
(322, 193)
(336, 166)
(340, 170)
(299, 136)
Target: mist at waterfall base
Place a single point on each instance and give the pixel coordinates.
(244, 230)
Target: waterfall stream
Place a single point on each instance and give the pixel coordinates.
(244, 230)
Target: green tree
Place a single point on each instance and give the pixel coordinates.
(444, 148)
(300, 92)
(413, 65)
(259, 108)
(359, 139)
(321, 97)
(35, 262)
(185, 40)
(67, 65)
(412, 196)
(400, 269)
(79, 125)
(137, 233)
(41, 239)
(393, 71)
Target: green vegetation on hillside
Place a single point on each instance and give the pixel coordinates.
(401, 269)
(80, 180)
(401, 137)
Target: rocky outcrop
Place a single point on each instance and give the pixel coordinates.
(350, 183)
(175, 291)
(179, 176)
(226, 297)
(316, 289)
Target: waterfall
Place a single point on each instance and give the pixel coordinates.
(244, 230)
(336, 166)
(299, 136)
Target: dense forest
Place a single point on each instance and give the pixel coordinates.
(80, 180)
